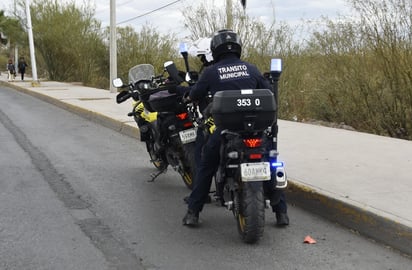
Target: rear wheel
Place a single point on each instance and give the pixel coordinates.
(188, 169)
(250, 212)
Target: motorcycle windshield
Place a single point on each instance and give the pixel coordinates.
(142, 72)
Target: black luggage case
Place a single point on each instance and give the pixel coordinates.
(244, 110)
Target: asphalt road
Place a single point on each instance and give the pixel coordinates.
(74, 195)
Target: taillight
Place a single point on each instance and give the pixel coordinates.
(188, 124)
(252, 143)
(182, 116)
(255, 156)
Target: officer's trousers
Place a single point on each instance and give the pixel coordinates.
(207, 167)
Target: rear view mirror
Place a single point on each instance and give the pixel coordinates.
(117, 82)
(122, 96)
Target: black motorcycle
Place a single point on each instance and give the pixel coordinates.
(249, 166)
(163, 120)
(247, 159)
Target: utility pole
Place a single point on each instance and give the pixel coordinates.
(35, 81)
(16, 50)
(113, 45)
(229, 15)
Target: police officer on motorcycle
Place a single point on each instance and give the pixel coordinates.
(224, 74)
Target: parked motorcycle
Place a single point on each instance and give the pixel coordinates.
(163, 119)
(249, 163)
(248, 154)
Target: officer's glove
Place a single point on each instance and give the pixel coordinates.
(186, 97)
(170, 86)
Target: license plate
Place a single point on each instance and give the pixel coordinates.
(188, 135)
(258, 171)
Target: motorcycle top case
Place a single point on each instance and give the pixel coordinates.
(244, 110)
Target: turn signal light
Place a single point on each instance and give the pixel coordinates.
(252, 143)
(276, 164)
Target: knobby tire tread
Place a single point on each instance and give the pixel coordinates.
(252, 209)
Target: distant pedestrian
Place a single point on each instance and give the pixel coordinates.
(11, 69)
(22, 67)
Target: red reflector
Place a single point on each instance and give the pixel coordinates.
(188, 124)
(255, 156)
(182, 116)
(252, 143)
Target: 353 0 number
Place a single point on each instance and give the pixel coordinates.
(247, 102)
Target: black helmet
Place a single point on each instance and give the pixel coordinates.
(225, 41)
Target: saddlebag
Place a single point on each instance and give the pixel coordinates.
(244, 110)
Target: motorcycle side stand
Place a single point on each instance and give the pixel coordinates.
(155, 175)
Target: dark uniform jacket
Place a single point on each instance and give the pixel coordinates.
(230, 73)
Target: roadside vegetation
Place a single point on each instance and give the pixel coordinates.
(354, 71)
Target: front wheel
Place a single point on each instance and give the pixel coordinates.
(154, 157)
(250, 213)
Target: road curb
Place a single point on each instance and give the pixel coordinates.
(90, 115)
(366, 223)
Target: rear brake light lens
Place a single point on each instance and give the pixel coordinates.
(252, 143)
(255, 156)
(188, 124)
(182, 116)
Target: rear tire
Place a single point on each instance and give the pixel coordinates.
(251, 214)
(188, 172)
